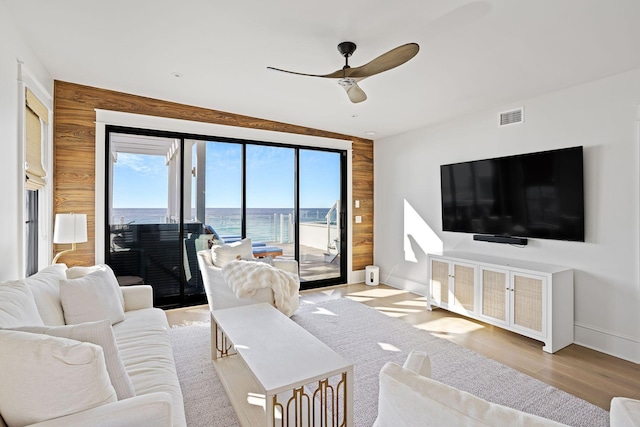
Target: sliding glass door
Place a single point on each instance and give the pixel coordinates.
(321, 223)
(149, 239)
(270, 197)
(168, 194)
(290, 201)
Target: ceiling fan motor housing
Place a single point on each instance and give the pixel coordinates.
(346, 49)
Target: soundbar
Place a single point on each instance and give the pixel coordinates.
(500, 239)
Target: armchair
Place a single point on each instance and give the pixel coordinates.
(220, 295)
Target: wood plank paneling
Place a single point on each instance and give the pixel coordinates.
(74, 156)
(362, 178)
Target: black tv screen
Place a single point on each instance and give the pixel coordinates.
(536, 195)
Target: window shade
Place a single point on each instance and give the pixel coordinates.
(35, 113)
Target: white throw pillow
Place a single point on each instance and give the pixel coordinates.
(99, 333)
(222, 254)
(92, 297)
(80, 271)
(45, 286)
(17, 306)
(47, 377)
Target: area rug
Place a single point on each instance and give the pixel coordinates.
(370, 339)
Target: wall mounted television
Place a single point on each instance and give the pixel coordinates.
(535, 195)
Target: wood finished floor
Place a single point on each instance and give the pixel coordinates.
(588, 374)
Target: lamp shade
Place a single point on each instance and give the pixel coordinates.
(70, 228)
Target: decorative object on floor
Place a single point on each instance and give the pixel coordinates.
(372, 273)
(370, 339)
(349, 77)
(69, 228)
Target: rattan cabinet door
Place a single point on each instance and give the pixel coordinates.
(528, 303)
(464, 285)
(440, 283)
(494, 295)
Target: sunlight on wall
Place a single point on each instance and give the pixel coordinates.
(418, 232)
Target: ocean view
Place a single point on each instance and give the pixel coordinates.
(264, 224)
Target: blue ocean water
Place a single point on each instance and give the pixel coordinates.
(263, 224)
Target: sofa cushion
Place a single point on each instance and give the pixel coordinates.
(222, 254)
(99, 333)
(145, 348)
(79, 271)
(95, 296)
(17, 306)
(46, 377)
(45, 286)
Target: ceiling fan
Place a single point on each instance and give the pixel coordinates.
(349, 77)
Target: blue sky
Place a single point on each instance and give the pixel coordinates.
(141, 181)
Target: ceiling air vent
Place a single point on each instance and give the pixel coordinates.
(511, 117)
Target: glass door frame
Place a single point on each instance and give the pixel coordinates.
(182, 136)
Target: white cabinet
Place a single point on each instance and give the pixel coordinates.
(453, 285)
(532, 299)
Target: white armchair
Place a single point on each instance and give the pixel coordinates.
(220, 295)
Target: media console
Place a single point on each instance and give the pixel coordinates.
(531, 299)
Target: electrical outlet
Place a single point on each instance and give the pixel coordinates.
(357, 203)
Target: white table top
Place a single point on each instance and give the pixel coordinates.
(280, 353)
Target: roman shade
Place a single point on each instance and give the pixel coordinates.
(35, 114)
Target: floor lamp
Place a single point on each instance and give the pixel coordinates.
(69, 228)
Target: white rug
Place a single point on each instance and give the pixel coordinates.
(369, 339)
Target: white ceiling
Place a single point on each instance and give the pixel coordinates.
(474, 54)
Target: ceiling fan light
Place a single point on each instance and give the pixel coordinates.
(346, 82)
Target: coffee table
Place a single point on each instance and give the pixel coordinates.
(276, 373)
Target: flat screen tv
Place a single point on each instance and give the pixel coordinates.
(536, 195)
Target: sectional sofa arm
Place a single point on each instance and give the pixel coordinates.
(288, 265)
(137, 297)
(625, 412)
(149, 410)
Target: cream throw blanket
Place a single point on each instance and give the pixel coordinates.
(246, 277)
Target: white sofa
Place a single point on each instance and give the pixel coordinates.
(142, 346)
(409, 397)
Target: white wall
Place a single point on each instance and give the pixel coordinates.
(13, 48)
(602, 116)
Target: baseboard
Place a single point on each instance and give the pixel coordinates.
(357, 276)
(608, 342)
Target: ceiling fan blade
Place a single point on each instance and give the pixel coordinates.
(354, 92)
(299, 74)
(384, 62)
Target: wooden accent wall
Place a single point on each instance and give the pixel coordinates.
(74, 157)
(362, 178)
